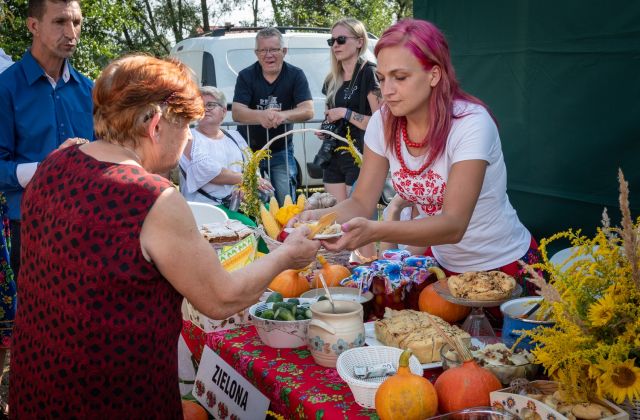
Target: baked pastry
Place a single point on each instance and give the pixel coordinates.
(482, 285)
(223, 232)
(408, 329)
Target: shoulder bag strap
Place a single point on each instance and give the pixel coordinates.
(363, 93)
(226, 133)
(200, 190)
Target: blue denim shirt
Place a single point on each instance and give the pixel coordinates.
(35, 119)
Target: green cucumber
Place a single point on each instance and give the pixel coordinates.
(274, 297)
(267, 314)
(284, 315)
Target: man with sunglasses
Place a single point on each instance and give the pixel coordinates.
(46, 104)
(270, 95)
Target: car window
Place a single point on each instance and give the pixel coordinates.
(315, 64)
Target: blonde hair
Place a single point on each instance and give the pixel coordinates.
(335, 79)
(133, 88)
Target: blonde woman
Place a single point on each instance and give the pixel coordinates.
(353, 94)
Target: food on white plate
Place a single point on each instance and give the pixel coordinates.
(408, 329)
(333, 229)
(497, 354)
(482, 285)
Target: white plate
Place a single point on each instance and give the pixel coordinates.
(330, 236)
(371, 340)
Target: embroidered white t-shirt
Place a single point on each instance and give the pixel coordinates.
(208, 158)
(495, 236)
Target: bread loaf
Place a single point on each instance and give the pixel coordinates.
(412, 330)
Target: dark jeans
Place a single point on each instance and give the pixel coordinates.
(15, 247)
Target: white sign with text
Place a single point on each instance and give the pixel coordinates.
(224, 392)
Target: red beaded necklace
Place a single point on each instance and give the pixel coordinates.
(405, 136)
(402, 130)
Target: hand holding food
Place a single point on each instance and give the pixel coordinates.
(300, 250)
(355, 233)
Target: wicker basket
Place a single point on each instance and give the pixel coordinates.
(340, 258)
(633, 408)
(364, 390)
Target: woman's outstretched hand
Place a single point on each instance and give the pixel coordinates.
(355, 233)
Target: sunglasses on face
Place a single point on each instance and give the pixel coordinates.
(210, 106)
(341, 40)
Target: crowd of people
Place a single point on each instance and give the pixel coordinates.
(104, 248)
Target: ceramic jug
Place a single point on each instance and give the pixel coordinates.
(329, 333)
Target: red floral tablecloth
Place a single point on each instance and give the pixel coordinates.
(297, 387)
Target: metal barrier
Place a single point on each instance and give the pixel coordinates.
(303, 154)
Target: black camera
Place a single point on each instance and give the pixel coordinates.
(329, 143)
(323, 157)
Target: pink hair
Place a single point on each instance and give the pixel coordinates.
(429, 46)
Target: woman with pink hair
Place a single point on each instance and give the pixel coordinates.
(443, 150)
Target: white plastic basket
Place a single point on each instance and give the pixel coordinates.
(633, 408)
(364, 390)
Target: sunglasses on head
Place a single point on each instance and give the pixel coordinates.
(341, 40)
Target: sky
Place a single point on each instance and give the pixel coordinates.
(246, 14)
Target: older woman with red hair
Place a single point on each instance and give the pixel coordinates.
(110, 249)
(443, 150)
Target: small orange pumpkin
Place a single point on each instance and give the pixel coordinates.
(406, 395)
(191, 410)
(333, 274)
(290, 283)
(465, 386)
(431, 302)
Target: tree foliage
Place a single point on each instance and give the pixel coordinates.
(115, 27)
(377, 15)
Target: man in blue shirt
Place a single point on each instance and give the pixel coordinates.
(272, 94)
(45, 103)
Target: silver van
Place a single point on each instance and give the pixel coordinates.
(217, 58)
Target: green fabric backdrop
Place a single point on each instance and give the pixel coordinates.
(563, 79)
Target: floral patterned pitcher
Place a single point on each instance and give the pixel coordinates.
(329, 333)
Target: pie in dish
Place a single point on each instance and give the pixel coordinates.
(482, 285)
(408, 329)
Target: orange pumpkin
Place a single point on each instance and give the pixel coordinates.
(406, 395)
(290, 283)
(191, 410)
(333, 274)
(430, 301)
(465, 386)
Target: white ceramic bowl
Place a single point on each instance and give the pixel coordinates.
(280, 334)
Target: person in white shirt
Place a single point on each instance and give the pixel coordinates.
(443, 150)
(211, 165)
(5, 61)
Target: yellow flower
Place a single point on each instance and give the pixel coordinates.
(602, 311)
(622, 381)
(285, 213)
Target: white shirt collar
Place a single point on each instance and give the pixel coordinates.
(65, 75)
